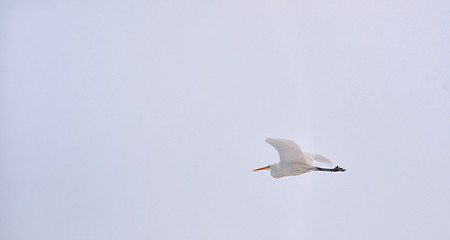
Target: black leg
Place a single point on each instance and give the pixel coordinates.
(336, 169)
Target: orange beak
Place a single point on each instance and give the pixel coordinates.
(263, 168)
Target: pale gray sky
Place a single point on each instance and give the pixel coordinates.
(144, 119)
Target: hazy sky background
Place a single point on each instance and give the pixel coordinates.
(144, 119)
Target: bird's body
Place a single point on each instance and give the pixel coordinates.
(289, 169)
(293, 161)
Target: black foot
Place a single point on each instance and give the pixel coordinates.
(339, 169)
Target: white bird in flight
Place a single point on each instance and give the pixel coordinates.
(293, 161)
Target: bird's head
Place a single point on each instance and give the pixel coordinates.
(263, 168)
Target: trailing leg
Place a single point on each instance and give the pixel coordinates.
(336, 169)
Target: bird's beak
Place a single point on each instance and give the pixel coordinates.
(263, 168)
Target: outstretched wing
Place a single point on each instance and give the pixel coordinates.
(317, 157)
(288, 150)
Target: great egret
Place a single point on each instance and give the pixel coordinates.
(293, 161)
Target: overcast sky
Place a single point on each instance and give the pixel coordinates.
(143, 119)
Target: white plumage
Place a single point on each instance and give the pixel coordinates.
(293, 161)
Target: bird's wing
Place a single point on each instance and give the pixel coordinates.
(317, 157)
(288, 150)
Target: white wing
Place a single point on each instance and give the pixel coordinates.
(288, 150)
(317, 157)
